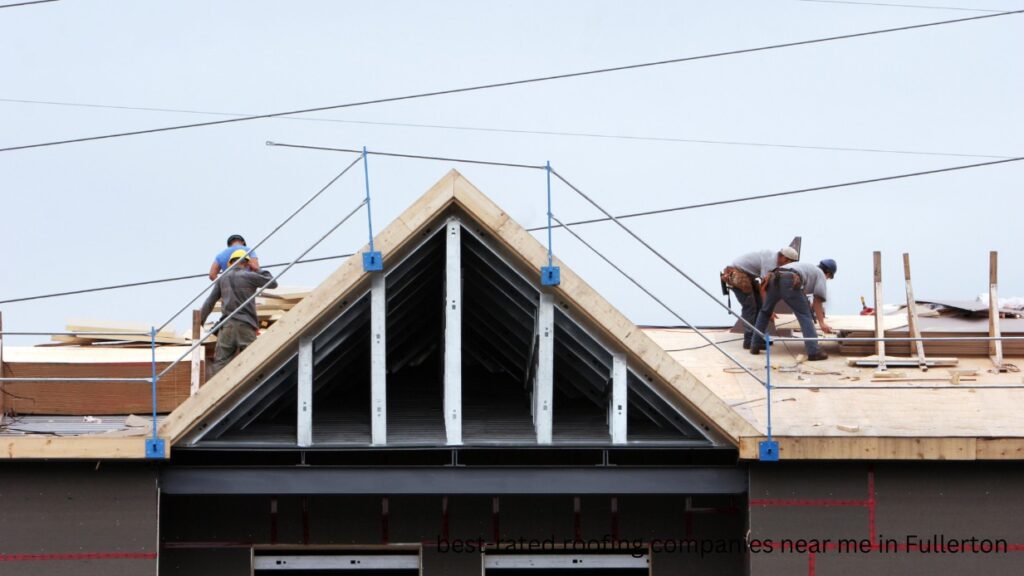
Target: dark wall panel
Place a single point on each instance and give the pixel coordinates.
(205, 562)
(823, 503)
(67, 511)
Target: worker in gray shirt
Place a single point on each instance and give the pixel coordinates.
(233, 288)
(743, 276)
(792, 284)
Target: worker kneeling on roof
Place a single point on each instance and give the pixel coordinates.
(743, 278)
(220, 261)
(792, 283)
(234, 289)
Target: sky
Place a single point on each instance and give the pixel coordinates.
(159, 205)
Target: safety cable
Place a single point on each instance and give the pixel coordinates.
(535, 228)
(654, 251)
(661, 302)
(255, 294)
(265, 238)
(508, 83)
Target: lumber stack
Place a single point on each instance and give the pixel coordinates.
(272, 305)
(66, 397)
(115, 334)
(942, 326)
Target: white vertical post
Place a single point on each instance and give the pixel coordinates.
(304, 435)
(617, 403)
(543, 383)
(453, 333)
(378, 361)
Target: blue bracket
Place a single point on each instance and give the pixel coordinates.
(550, 275)
(155, 448)
(768, 451)
(373, 261)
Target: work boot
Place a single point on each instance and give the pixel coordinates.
(817, 356)
(746, 344)
(755, 350)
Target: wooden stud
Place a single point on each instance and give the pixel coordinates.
(304, 401)
(879, 330)
(378, 361)
(995, 347)
(913, 326)
(453, 333)
(543, 381)
(617, 402)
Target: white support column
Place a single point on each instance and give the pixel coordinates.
(543, 382)
(304, 436)
(618, 401)
(378, 361)
(453, 333)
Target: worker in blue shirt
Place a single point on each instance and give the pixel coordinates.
(220, 262)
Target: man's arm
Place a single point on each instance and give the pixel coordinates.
(211, 300)
(214, 270)
(819, 313)
(258, 279)
(254, 264)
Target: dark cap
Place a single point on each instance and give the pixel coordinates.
(235, 238)
(828, 266)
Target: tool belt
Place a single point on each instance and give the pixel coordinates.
(774, 275)
(735, 278)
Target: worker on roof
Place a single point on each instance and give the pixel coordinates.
(234, 289)
(220, 261)
(743, 278)
(793, 283)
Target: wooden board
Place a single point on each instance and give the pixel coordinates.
(74, 447)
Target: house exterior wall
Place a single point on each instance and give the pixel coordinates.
(79, 519)
(886, 503)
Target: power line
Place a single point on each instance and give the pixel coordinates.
(536, 228)
(891, 5)
(26, 3)
(486, 129)
(509, 83)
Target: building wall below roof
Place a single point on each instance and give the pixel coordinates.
(886, 502)
(77, 519)
(213, 535)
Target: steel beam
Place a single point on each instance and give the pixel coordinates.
(566, 561)
(378, 362)
(453, 480)
(304, 428)
(543, 380)
(339, 562)
(453, 333)
(617, 401)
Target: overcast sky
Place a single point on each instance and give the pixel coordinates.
(131, 209)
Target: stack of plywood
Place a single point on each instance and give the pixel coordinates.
(92, 398)
(941, 326)
(115, 334)
(271, 305)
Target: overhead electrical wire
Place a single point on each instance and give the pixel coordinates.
(509, 83)
(893, 5)
(498, 130)
(536, 228)
(15, 5)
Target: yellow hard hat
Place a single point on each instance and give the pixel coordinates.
(239, 255)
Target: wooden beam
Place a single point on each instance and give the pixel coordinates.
(995, 347)
(304, 416)
(617, 403)
(197, 354)
(453, 333)
(913, 327)
(378, 361)
(75, 447)
(543, 381)
(879, 330)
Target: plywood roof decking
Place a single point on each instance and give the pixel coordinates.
(823, 420)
